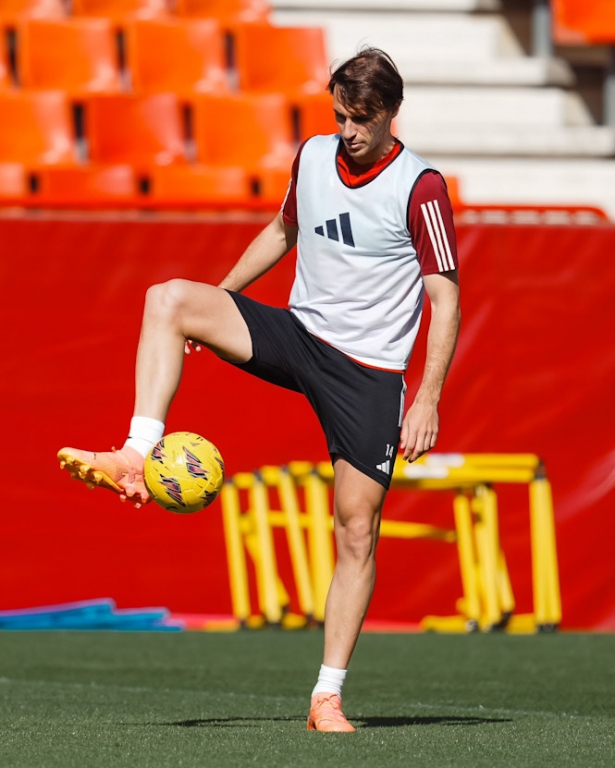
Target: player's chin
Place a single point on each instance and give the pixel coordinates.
(355, 150)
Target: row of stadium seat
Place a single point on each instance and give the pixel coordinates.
(181, 55)
(154, 103)
(157, 113)
(99, 187)
(40, 127)
(248, 11)
(231, 148)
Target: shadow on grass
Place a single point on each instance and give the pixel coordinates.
(394, 722)
(366, 722)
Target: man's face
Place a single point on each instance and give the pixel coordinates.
(366, 139)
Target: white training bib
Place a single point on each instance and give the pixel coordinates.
(358, 284)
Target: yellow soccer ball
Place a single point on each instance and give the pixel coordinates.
(184, 472)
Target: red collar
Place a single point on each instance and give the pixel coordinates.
(354, 174)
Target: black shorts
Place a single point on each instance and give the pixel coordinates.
(360, 408)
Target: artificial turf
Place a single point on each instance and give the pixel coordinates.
(194, 699)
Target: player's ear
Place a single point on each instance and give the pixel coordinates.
(395, 110)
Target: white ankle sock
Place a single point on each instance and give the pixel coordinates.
(144, 434)
(330, 680)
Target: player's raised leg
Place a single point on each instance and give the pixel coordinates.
(358, 506)
(174, 312)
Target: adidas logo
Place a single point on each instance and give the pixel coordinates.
(332, 230)
(384, 467)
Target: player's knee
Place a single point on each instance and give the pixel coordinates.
(165, 299)
(356, 537)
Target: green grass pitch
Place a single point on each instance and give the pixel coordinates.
(195, 699)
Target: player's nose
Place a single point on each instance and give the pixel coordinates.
(348, 129)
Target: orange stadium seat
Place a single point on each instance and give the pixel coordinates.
(452, 185)
(200, 185)
(247, 130)
(139, 131)
(313, 115)
(12, 11)
(36, 128)
(77, 55)
(119, 10)
(194, 55)
(85, 185)
(578, 22)
(270, 185)
(295, 59)
(228, 11)
(13, 181)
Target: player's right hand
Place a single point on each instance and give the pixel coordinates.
(419, 431)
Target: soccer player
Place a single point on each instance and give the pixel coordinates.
(374, 230)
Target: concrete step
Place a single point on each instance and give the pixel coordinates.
(530, 71)
(533, 181)
(409, 37)
(584, 141)
(489, 108)
(436, 48)
(460, 6)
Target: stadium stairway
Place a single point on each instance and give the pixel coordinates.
(512, 127)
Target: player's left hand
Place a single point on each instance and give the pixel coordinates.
(191, 346)
(419, 431)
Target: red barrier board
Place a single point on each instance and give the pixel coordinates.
(534, 372)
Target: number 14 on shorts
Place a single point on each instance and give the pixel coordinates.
(387, 465)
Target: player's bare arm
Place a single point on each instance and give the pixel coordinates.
(421, 424)
(263, 253)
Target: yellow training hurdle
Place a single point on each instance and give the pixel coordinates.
(296, 499)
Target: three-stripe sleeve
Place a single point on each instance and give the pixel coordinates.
(430, 222)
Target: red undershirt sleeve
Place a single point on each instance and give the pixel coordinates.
(289, 206)
(431, 227)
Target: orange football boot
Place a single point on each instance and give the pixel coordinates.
(119, 471)
(326, 714)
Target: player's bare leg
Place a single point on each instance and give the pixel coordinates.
(174, 312)
(358, 505)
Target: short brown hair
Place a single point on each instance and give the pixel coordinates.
(368, 83)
